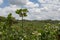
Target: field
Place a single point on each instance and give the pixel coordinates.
(31, 30)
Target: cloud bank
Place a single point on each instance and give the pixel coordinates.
(45, 9)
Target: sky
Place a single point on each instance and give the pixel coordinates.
(38, 9)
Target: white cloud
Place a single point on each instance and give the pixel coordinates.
(31, 5)
(18, 2)
(49, 1)
(10, 9)
(50, 9)
(1, 1)
(25, 3)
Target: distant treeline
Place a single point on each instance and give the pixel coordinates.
(2, 19)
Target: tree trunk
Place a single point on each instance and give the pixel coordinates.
(22, 21)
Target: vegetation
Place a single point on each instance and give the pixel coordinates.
(22, 13)
(11, 29)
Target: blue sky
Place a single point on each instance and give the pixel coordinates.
(5, 3)
(35, 1)
(38, 9)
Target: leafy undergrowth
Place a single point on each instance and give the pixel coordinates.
(30, 31)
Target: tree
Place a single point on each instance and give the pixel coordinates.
(2, 19)
(22, 13)
(8, 21)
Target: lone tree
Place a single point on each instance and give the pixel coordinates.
(22, 13)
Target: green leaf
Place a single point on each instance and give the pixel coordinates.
(21, 12)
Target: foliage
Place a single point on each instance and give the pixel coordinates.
(22, 12)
